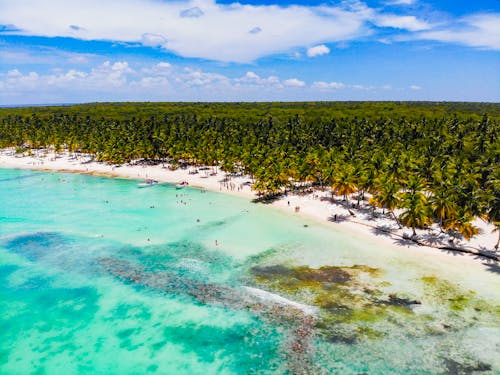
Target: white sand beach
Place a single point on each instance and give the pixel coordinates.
(317, 205)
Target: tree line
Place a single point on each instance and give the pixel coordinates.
(437, 162)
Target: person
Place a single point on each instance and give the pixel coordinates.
(216, 243)
(335, 217)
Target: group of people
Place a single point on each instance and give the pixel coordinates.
(228, 185)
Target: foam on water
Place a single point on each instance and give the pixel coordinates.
(98, 276)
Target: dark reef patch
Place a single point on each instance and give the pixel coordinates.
(34, 246)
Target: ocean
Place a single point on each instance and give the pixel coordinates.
(99, 275)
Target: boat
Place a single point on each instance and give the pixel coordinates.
(181, 185)
(147, 183)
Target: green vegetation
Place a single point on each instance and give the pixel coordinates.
(437, 161)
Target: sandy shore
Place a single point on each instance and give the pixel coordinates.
(366, 226)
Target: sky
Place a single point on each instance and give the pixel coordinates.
(74, 51)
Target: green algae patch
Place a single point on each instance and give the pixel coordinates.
(442, 291)
(351, 299)
(462, 304)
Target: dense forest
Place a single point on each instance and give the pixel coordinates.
(438, 162)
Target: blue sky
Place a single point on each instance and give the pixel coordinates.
(68, 51)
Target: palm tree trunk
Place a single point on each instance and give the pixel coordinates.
(395, 218)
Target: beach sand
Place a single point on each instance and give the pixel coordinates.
(316, 205)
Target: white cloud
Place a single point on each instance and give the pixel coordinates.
(480, 30)
(410, 23)
(234, 32)
(328, 85)
(325, 86)
(119, 81)
(164, 65)
(252, 76)
(124, 81)
(222, 32)
(253, 79)
(153, 40)
(400, 2)
(197, 77)
(294, 82)
(318, 50)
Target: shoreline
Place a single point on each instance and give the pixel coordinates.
(316, 206)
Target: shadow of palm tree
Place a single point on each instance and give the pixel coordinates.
(435, 239)
(338, 218)
(382, 230)
(491, 266)
(267, 199)
(451, 250)
(405, 242)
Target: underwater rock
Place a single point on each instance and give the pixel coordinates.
(325, 274)
(271, 271)
(455, 367)
(394, 300)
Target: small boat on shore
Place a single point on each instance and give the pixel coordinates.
(149, 182)
(181, 185)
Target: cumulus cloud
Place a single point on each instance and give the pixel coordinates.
(480, 30)
(325, 86)
(164, 65)
(193, 28)
(318, 50)
(227, 32)
(196, 77)
(121, 80)
(410, 23)
(153, 40)
(415, 87)
(253, 79)
(294, 82)
(109, 76)
(328, 85)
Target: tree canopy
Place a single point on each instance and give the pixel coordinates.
(438, 161)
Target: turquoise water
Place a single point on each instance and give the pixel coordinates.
(100, 276)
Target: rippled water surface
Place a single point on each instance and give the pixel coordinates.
(98, 275)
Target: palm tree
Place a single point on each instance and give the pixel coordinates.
(417, 212)
(344, 183)
(461, 223)
(497, 229)
(442, 205)
(387, 196)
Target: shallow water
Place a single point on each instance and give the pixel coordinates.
(100, 276)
